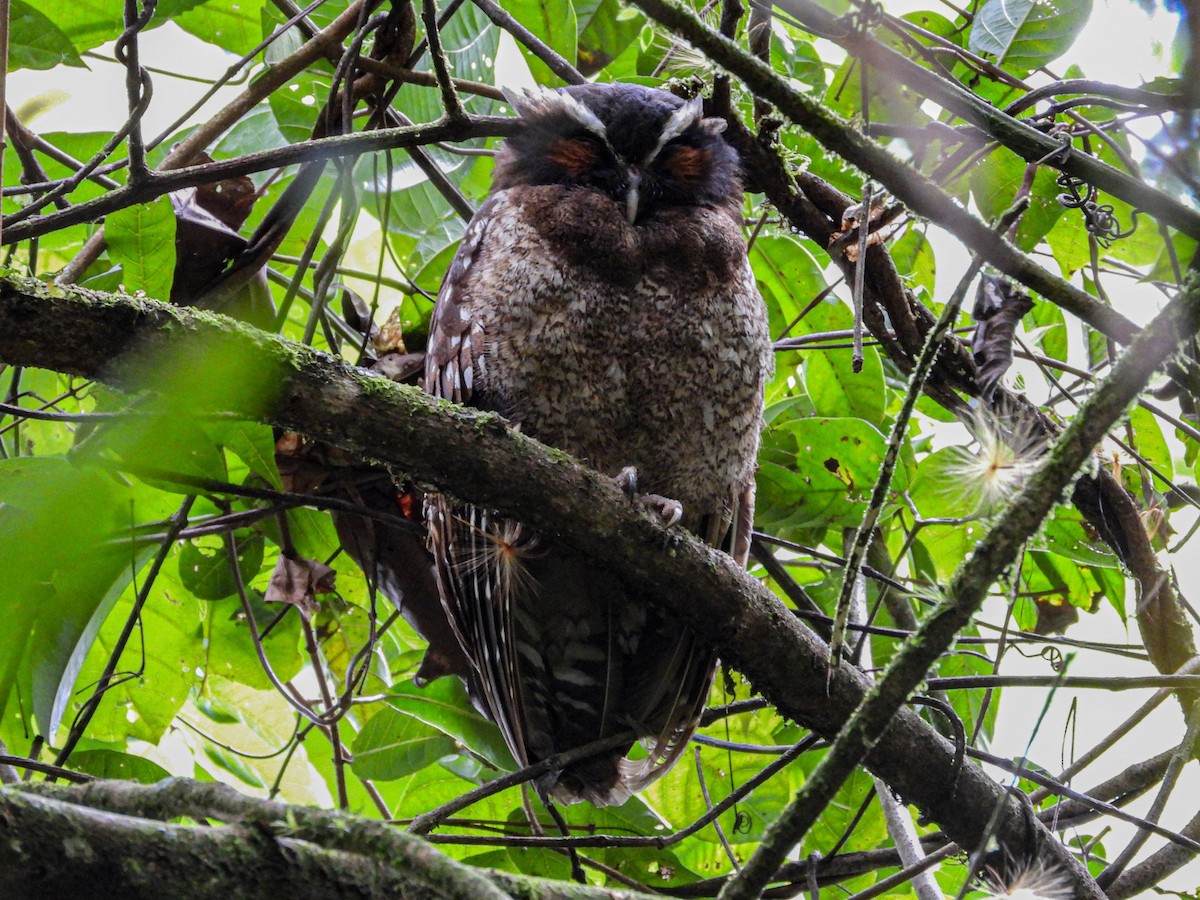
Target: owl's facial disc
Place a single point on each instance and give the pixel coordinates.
(641, 147)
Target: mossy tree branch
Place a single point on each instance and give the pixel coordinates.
(119, 843)
(479, 458)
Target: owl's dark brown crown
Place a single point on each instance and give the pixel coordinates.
(644, 148)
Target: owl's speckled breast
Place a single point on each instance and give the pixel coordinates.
(624, 345)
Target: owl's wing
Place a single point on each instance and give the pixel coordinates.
(471, 546)
(456, 333)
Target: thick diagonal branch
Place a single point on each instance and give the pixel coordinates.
(477, 457)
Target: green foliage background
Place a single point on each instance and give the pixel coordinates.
(85, 506)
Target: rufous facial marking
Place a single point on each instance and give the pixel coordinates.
(575, 156)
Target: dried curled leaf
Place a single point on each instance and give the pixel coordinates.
(883, 223)
(298, 581)
(999, 306)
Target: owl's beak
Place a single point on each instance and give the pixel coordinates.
(631, 196)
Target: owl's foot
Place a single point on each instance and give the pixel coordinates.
(667, 511)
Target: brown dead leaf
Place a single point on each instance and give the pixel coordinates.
(298, 581)
(389, 338)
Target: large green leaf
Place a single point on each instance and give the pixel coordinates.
(445, 706)
(229, 647)
(205, 565)
(819, 471)
(257, 733)
(142, 239)
(1026, 34)
(837, 390)
(60, 524)
(996, 182)
(87, 23)
(555, 23)
(35, 42)
(789, 277)
(233, 25)
(394, 744)
(165, 655)
(297, 105)
(114, 764)
(606, 29)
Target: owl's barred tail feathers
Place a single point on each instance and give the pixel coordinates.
(612, 778)
(563, 656)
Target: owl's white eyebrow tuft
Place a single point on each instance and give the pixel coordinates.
(531, 102)
(677, 123)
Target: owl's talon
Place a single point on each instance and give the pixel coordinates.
(668, 512)
(626, 480)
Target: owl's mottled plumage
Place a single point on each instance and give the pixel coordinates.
(601, 300)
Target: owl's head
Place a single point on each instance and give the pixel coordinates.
(645, 148)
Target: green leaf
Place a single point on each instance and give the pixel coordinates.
(1112, 583)
(252, 443)
(914, 258)
(57, 662)
(839, 817)
(229, 646)
(995, 184)
(1026, 34)
(142, 239)
(837, 390)
(265, 726)
(1064, 535)
(606, 29)
(1057, 581)
(35, 42)
(80, 146)
(393, 744)
(115, 764)
(65, 565)
(799, 58)
(946, 486)
(165, 654)
(421, 212)
(943, 548)
(819, 471)
(297, 105)
(86, 23)
(233, 764)
(1149, 443)
(789, 277)
(204, 564)
(1068, 239)
(313, 535)
(555, 23)
(890, 99)
(1048, 328)
(233, 25)
(1183, 248)
(445, 706)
